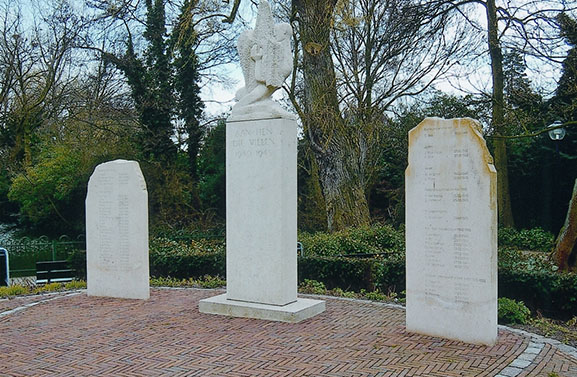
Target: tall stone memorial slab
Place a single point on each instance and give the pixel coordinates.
(261, 187)
(451, 232)
(261, 211)
(117, 231)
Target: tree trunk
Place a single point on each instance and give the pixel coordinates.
(498, 121)
(345, 199)
(344, 194)
(565, 245)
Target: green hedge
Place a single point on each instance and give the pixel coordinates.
(550, 293)
(535, 239)
(345, 273)
(375, 239)
(176, 259)
(185, 259)
(354, 274)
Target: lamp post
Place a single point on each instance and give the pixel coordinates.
(557, 133)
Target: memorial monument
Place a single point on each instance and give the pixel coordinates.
(261, 186)
(451, 232)
(117, 231)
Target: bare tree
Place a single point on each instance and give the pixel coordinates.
(358, 58)
(525, 27)
(38, 74)
(214, 34)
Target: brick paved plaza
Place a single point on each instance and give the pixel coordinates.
(76, 335)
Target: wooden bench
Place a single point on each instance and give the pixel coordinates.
(54, 272)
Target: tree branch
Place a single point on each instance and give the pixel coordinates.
(536, 133)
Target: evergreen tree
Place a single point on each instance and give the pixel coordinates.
(187, 77)
(517, 86)
(150, 81)
(157, 111)
(211, 168)
(565, 101)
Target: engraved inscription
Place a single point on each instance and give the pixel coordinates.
(451, 232)
(113, 221)
(447, 242)
(104, 190)
(251, 142)
(123, 232)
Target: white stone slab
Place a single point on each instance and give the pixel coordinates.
(117, 231)
(451, 232)
(297, 311)
(261, 217)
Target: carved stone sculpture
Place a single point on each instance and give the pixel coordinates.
(266, 61)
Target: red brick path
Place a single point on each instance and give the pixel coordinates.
(167, 336)
(20, 301)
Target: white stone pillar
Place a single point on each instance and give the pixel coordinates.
(261, 224)
(261, 218)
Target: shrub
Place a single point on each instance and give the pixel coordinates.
(511, 311)
(75, 284)
(553, 294)
(204, 282)
(338, 292)
(185, 259)
(354, 274)
(208, 281)
(375, 296)
(77, 261)
(384, 237)
(392, 274)
(50, 287)
(312, 287)
(163, 281)
(376, 239)
(18, 290)
(512, 258)
(345, 273)
(530, 278)
(320, 244)
(535, 239)
(50, 187)
(13, 290)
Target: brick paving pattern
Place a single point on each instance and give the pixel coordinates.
(166, 336)
(16, 302)
(549, 361)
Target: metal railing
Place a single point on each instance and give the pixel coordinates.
(25, 252)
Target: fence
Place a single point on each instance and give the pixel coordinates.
(25, 252)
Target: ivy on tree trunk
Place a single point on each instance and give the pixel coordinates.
(344, 194)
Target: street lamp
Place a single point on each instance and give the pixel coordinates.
(558, 133)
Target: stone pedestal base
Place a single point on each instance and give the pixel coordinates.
(294, 312)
